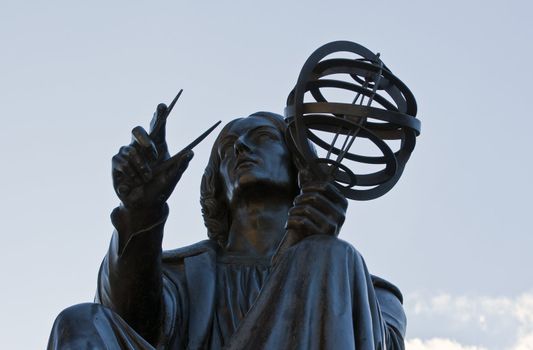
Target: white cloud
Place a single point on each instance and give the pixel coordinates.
(481, 322)
(438, 344)
(525, 342)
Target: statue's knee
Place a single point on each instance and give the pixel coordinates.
(75, 328)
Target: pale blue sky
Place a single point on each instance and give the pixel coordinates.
(76, 77)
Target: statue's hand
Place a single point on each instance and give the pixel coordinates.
(319, 209)
(144, 174)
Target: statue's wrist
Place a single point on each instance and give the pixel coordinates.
(148, 212)
(134, 219)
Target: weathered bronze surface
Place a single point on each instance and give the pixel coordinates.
(273, 274)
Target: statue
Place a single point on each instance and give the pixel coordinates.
(272, 275)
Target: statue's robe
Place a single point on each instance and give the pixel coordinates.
(318, 295)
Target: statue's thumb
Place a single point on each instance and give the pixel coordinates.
(305, 176)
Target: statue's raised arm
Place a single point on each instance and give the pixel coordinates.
(144, 177)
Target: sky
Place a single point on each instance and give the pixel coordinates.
(454, 234)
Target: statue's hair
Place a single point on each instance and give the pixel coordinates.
(212, 196)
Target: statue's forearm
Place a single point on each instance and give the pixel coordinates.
(130, 280)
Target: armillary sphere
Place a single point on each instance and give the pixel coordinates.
(380, 109)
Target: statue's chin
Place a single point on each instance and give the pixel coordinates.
(258, 187)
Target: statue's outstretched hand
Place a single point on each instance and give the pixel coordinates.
(144, 174)
(320, 208)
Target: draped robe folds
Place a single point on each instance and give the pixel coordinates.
(319, 295)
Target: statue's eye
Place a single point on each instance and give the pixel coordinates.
(265, 134)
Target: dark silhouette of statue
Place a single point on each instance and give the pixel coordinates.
(225, 292)
(273, 274)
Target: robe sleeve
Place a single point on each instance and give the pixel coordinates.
(130, 280)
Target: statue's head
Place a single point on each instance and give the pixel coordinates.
(249, 157)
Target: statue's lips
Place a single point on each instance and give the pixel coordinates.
(245, 163)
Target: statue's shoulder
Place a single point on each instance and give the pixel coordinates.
(385, 286)
(179, 254)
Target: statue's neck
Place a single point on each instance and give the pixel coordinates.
(258, 225)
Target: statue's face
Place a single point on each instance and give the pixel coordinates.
(253, 153)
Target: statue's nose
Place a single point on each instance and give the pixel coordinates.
(241, 145)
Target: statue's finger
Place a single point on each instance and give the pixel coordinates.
(158, 123)
(328, 189)
(139, 164)
(321, 203)
(303, 225)
(314, 215)
(141, 138)
(121, 166)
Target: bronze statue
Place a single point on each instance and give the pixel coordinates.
(245, 287)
